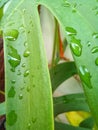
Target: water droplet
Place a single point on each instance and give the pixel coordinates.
(11, 118)
(22, 88)
(11, 92)
(34, 120)
(29, 125)
(94, 49)
(13, 81)
(74, 5)
(20, 96)
(85, 76)
(22, 28)
(26, 53)
(74, 10)
(24, 10)
(97, 13)
(11, 35)
(19, 72)
(76, 46)
(26, 73)
(29, 31)
(14, 58)
(28, 89)
(95, 35)
(33, 85)
(70, 31)
(96, 61)
(88, 43)
(25, 43)
(23, 65)
(94, 8)
(66, 3)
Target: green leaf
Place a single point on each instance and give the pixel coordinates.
(2, 109)
(79, 19)
(62, 72)
(3, 2)
(28, 89)
(62, 126)
(71, 102)
(87, 123)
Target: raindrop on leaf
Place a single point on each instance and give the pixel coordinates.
(76, 46)
(20, 96)
(11, 118)
(11, 34)
(85, 76)
(96, 61)
(13, 81)
(26, 53)
(94, 49)
(13, 58)
(11, 92)
(26, 73)
(70, 31)
(95, 35)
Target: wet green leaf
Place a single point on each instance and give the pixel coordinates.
(62, 72)
(71, 102)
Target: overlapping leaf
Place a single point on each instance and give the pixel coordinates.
(79, 19)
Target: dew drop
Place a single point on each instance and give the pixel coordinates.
(70, 31)
(33, 85)
(66, 3)
(26, 73)
(28, 89)
(34, 120)
(11, 92)
(85, 76)
(11, 35)
(29, 125)
(95, 35)
(96, 61)
(88, 43)
(97, 13)
(23, 65)
(20, 96)
(24, 10)
(74, 10)
(26, 53)
(76, 46)
(13, 81)
(19, 72)
(11, 118)
(25, 43)
(14, 58)
(94, 49)
(94, 8)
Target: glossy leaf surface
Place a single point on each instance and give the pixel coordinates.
(79, 19)
(62, 72)
(28, 89)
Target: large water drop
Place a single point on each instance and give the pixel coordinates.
(94, 49)
(13, 58)
(11, 118)
(26, 73)
(11, 34)
(70, 31)
(85, 76)
(26, 53)
(76, 46)
(11, 92)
